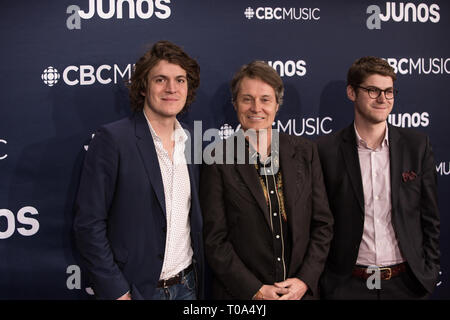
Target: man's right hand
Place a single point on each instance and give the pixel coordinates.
(270, 292)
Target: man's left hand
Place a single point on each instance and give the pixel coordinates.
(297, 288)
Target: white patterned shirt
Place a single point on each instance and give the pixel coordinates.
(177, 195)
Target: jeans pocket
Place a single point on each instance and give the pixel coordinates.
(189, 281)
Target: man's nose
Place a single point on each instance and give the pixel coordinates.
(171, 86)
(256, 106)
(382, 98)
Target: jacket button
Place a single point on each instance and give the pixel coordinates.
(164, 229)
(160, 256)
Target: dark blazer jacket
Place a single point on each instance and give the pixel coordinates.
(120, 219)
(415, 215)
(238, 238)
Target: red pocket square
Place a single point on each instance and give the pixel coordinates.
(408, 176)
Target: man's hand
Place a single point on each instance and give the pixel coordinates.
(296, 288)
(126, 296)
(269, 292)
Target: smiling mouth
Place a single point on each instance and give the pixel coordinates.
(255, 118)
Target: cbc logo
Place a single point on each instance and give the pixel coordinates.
(50, 76)
(3, 156)
(226, 131)
(87, 74)
(22, 218)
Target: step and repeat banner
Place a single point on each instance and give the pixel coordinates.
(64, 65)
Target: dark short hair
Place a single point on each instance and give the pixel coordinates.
(260, 70)
(364, 67)
(162, 50)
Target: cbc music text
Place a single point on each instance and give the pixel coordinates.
(410, 66)
(268, 13)
(88, 75)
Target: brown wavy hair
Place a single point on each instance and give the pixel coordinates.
(260, 70)
(162, 50)
(364, 67)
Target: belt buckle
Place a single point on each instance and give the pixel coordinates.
(165, 286)
(390, 273)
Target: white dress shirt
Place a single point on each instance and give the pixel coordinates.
(177, 195)
(379, 246)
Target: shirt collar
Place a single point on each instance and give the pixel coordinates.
(360, 141)
(179, 134)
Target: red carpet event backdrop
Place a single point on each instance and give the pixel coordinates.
(64, 65)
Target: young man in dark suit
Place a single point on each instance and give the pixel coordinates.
(138, 224)
(381, 186)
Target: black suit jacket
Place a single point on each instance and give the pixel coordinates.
(415, 215)
(120, 222)
(238, 238)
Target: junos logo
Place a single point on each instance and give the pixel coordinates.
(289, 68)
(407, 120)
(402, 13)
(86, 75)
(22, 218)
(3, 156)
(143, 9)
(268, 13)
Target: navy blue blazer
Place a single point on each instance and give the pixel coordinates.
(120, 220)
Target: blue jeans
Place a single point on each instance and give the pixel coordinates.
(182, 291)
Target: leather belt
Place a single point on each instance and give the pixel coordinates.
(176, 279)
(386, 273)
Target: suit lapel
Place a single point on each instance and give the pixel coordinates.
(350, 153)
(249, 175)
(149, 157)
(292, 171)
(396, 160)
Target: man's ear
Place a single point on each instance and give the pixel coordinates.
(351, 94)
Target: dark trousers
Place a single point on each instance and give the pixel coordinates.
(402, 287)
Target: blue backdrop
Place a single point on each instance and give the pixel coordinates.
(63, 73)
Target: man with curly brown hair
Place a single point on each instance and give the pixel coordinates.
(138, 223)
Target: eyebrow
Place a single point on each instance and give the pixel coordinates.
(166, 77)
(249, 95)
(372, 86)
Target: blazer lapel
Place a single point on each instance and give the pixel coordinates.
(250, 176)
(149, 157)
(351, 159)
(292, 171)
(396, 160)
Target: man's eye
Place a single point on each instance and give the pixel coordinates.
(159, 80)
(374, 90)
